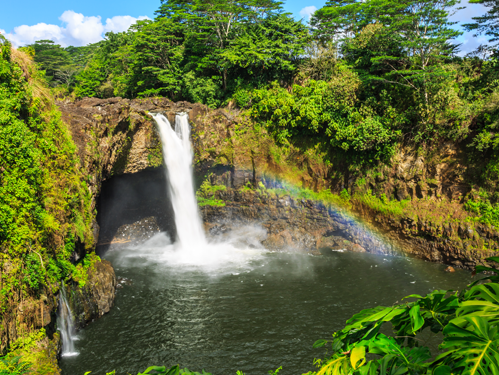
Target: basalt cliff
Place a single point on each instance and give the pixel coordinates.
(117, 137)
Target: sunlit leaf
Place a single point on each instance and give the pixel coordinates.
(474, 350)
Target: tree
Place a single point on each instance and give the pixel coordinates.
(104, 64)
(337, 20)
(51, 57)
(487, 24)
(397, 43)
(212, 25)
(80, 55)
(157, 54)
(66, 74)
(268, 50)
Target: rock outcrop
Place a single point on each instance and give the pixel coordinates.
(117, 136)
(293, 223)
(441, 175)
(96, 297)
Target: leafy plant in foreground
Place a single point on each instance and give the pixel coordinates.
(468, 321)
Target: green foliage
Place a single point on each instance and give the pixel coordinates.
(81, 271)
(383, 204)
(325, 110)
(14, 366)
(485, 211)
(325, 197)
(195, 52)
(51, 57)
(206, 194)
(267, 50)
(30, 355)
(467, 320)
(150, 65)
(44, 202)
(202, 90)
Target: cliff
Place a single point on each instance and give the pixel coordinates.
(116, 136)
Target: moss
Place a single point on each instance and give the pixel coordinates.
(36, 351)
(83, 269)
(155, 157)
(45, 203)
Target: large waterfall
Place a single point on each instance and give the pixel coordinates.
(191, 246)
(178, 155)
(65, 325)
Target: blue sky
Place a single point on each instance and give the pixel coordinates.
(37, 11)
(83, 22)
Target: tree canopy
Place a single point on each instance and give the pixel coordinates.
(398, 58)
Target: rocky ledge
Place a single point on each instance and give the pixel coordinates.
(96, 297)
(291, 223)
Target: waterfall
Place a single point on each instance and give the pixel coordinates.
(65, 324)
(178, 155)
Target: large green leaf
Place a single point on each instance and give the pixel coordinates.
(367, 323)
(493, 278)
(472, 351)
(434, 310)
(410, 357)
(339, 365)
(416, 318)
(480, 301)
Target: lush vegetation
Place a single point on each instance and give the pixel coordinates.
(206, 194)
(466, 320)
(44, 200)
(362, 80)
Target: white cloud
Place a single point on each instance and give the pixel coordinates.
(307, 12)
(468, 43)
(470, 11)
(76, 29)
(81, 30)
(121, 23)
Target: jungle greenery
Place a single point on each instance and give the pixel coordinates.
(45, 207)
(362, 78)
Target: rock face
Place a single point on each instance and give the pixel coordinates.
(96, 297)
(293, 224)
(304, 224)
(136, 233)
(451, 244)
(412, 176)
(39, 313)
(117, 136)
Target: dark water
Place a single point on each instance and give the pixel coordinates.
(254, 318)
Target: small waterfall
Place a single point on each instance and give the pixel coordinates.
(178, 155)
(65, 324)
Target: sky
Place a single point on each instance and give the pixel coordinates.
(70, 22)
